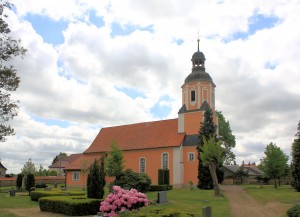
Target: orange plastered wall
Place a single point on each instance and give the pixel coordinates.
(190, 167)
(78, 183)
(192, 122)
(153, 161)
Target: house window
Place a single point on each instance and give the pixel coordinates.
(142, 165)
(193, 96)
(191, 156)
(75, 176)
(165, 161)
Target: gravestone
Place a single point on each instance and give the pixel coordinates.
(161, 196)
(206, 211)
(12, 193)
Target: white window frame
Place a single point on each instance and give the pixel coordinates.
(163, 160)
(75, 175)
(189, 156)
(141, 169)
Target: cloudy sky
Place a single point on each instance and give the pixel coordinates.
(92, 64)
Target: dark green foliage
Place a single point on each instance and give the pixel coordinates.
(19, 180)
(41, 185)
(129, 179)
(102, 174)
(227, 138)
(93, 181)
(207, 130)
(295, 164)
(30, 181)
(161, 187)
(163, 177)
(294, 211)
(159, 212)
(36, 195)
(240, 174)
(9, 81)
(70, 205)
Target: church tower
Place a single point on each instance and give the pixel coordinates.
(198, 95)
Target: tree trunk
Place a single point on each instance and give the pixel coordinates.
(213, 173)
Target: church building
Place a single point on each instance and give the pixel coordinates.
(165, 144)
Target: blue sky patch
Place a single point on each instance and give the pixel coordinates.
(159, 110)
(256, 22)
(51, 122)
(50, 30)
(179, 41)
(94, 19)
(118, 30)
(132, 93)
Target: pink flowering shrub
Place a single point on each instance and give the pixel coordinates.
(122, 200)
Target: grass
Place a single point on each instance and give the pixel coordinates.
(283, 194)
(191, 201)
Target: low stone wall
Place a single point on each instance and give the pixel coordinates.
(38, 180)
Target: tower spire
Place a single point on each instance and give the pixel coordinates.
(198, 40)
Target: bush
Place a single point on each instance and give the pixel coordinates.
(161, 187)
(129, 179)
(43, 185)
(294, 211)
(166, 212)
(70, 205)
(30, 182)
(36, 195)
(19, 180)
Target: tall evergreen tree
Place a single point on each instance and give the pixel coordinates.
(30, 182)
(295, 164)
(9, 81)
(102, 174)
(93, 181)
(207, 131)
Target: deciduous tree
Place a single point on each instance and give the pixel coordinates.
(115, 162)
(29, 167)
(274, 163)
(227, 138)
(295, 164)
(9, 81)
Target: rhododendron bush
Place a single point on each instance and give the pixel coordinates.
(121, 200)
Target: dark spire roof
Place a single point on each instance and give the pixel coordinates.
(198, 71)
(205, 106)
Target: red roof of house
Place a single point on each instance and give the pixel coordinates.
(64, 161)
(147, 135)
(83, 160)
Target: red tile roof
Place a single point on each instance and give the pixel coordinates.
(64, 161)
(155, 134)
(82, 159)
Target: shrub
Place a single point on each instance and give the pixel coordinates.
(19, 180)
(129, 179)
(161, 187)
(122, 200)
(165, 212)
(41, 185)
(70, 205)
(30, 182)
(36, 195)
(294, 211)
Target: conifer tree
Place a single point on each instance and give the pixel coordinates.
(93, 181)
(207, 131)
(295, 164)
(102, 174)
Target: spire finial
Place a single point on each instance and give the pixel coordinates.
(198, 40)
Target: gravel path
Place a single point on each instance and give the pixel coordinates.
(242, 205)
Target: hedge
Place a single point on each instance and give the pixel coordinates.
(166, 212)
(36, 195)
(294, 211)
(161, 187)
(70, 205)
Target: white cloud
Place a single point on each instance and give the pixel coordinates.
(77, 80)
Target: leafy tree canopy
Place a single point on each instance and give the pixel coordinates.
(115, 161)
(29, 168)
(227, 138)
(9, 81)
